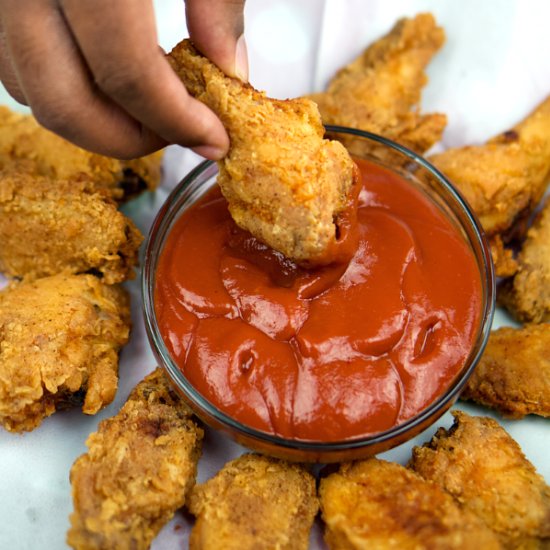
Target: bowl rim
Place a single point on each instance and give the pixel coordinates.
(161, 225)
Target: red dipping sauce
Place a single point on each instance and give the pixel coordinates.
(336, 353)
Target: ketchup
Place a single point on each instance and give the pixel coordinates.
(331, 354)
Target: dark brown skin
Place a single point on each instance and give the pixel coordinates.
(111, 90)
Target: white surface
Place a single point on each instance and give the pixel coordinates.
(492, 71)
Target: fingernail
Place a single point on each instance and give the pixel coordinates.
(209, 151)
(241, 59)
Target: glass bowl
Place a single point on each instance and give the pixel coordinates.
(421, 174)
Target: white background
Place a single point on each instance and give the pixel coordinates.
(492, 71)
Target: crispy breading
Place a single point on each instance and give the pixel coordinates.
(504, 179)
(379, 504)
(483, 468)
(254, 502)
(138, 470)
(513, 375)
(380, 90)
(503, 258)
(284, 183)
(527, 295)
(49, 226)
(59, 343)
(25, 145)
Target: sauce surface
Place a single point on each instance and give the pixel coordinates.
(330, 354)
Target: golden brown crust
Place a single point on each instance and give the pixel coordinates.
(380, 90)
(513, 375)
(25, 145)
(284, 183)
(527, 295)
(503, 258)
(49, 226)
(254, 502)
(483, 468)
(378, 504)
(59, 342)
(504, 179)
(139, 467)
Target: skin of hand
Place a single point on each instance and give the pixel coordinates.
(92, 71)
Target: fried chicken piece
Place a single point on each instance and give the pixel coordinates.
(379, 504)
(49, 226)
(138, 470)
(483, 468)
(504, 179)
(59, 343)
(254, 502)
(25, 145)
(527, 295)
(380, 90)
(513, 375)
(284, 183)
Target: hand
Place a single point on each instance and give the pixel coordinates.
(92, 72)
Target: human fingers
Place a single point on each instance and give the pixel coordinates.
(54, 80)
(7, 72)
(118, 40)
(216, 28)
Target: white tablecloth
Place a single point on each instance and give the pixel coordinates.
(492, 71)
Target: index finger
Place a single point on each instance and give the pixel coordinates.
(119, 43)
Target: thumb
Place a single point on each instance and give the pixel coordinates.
(216, 28)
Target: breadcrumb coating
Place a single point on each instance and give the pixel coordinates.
(60, 337)
(504, 179)
(138, 470)
(513, 375)
(284, 183)
(254, 502)
(49, 226)
(380, 90)
(483, 468)
(527, 295)
(379, 504)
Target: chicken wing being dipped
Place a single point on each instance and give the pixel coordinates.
(379, 504)
(254, 502)
(483, 468)
(513, 375)
(25, 145)
(504, 179)
(527, 295)
(284, 183)
(380, 90)
(60, 338)
(49, 226)
(138, 470)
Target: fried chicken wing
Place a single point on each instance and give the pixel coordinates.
(284, 183)
(380, 90)
(254, 502)
(25, 145)
(378, 504)
(504, 179)
(527, 295)
(59, 342)
(138, 470)
(49, 226)
(483, 468)
(513, 375)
